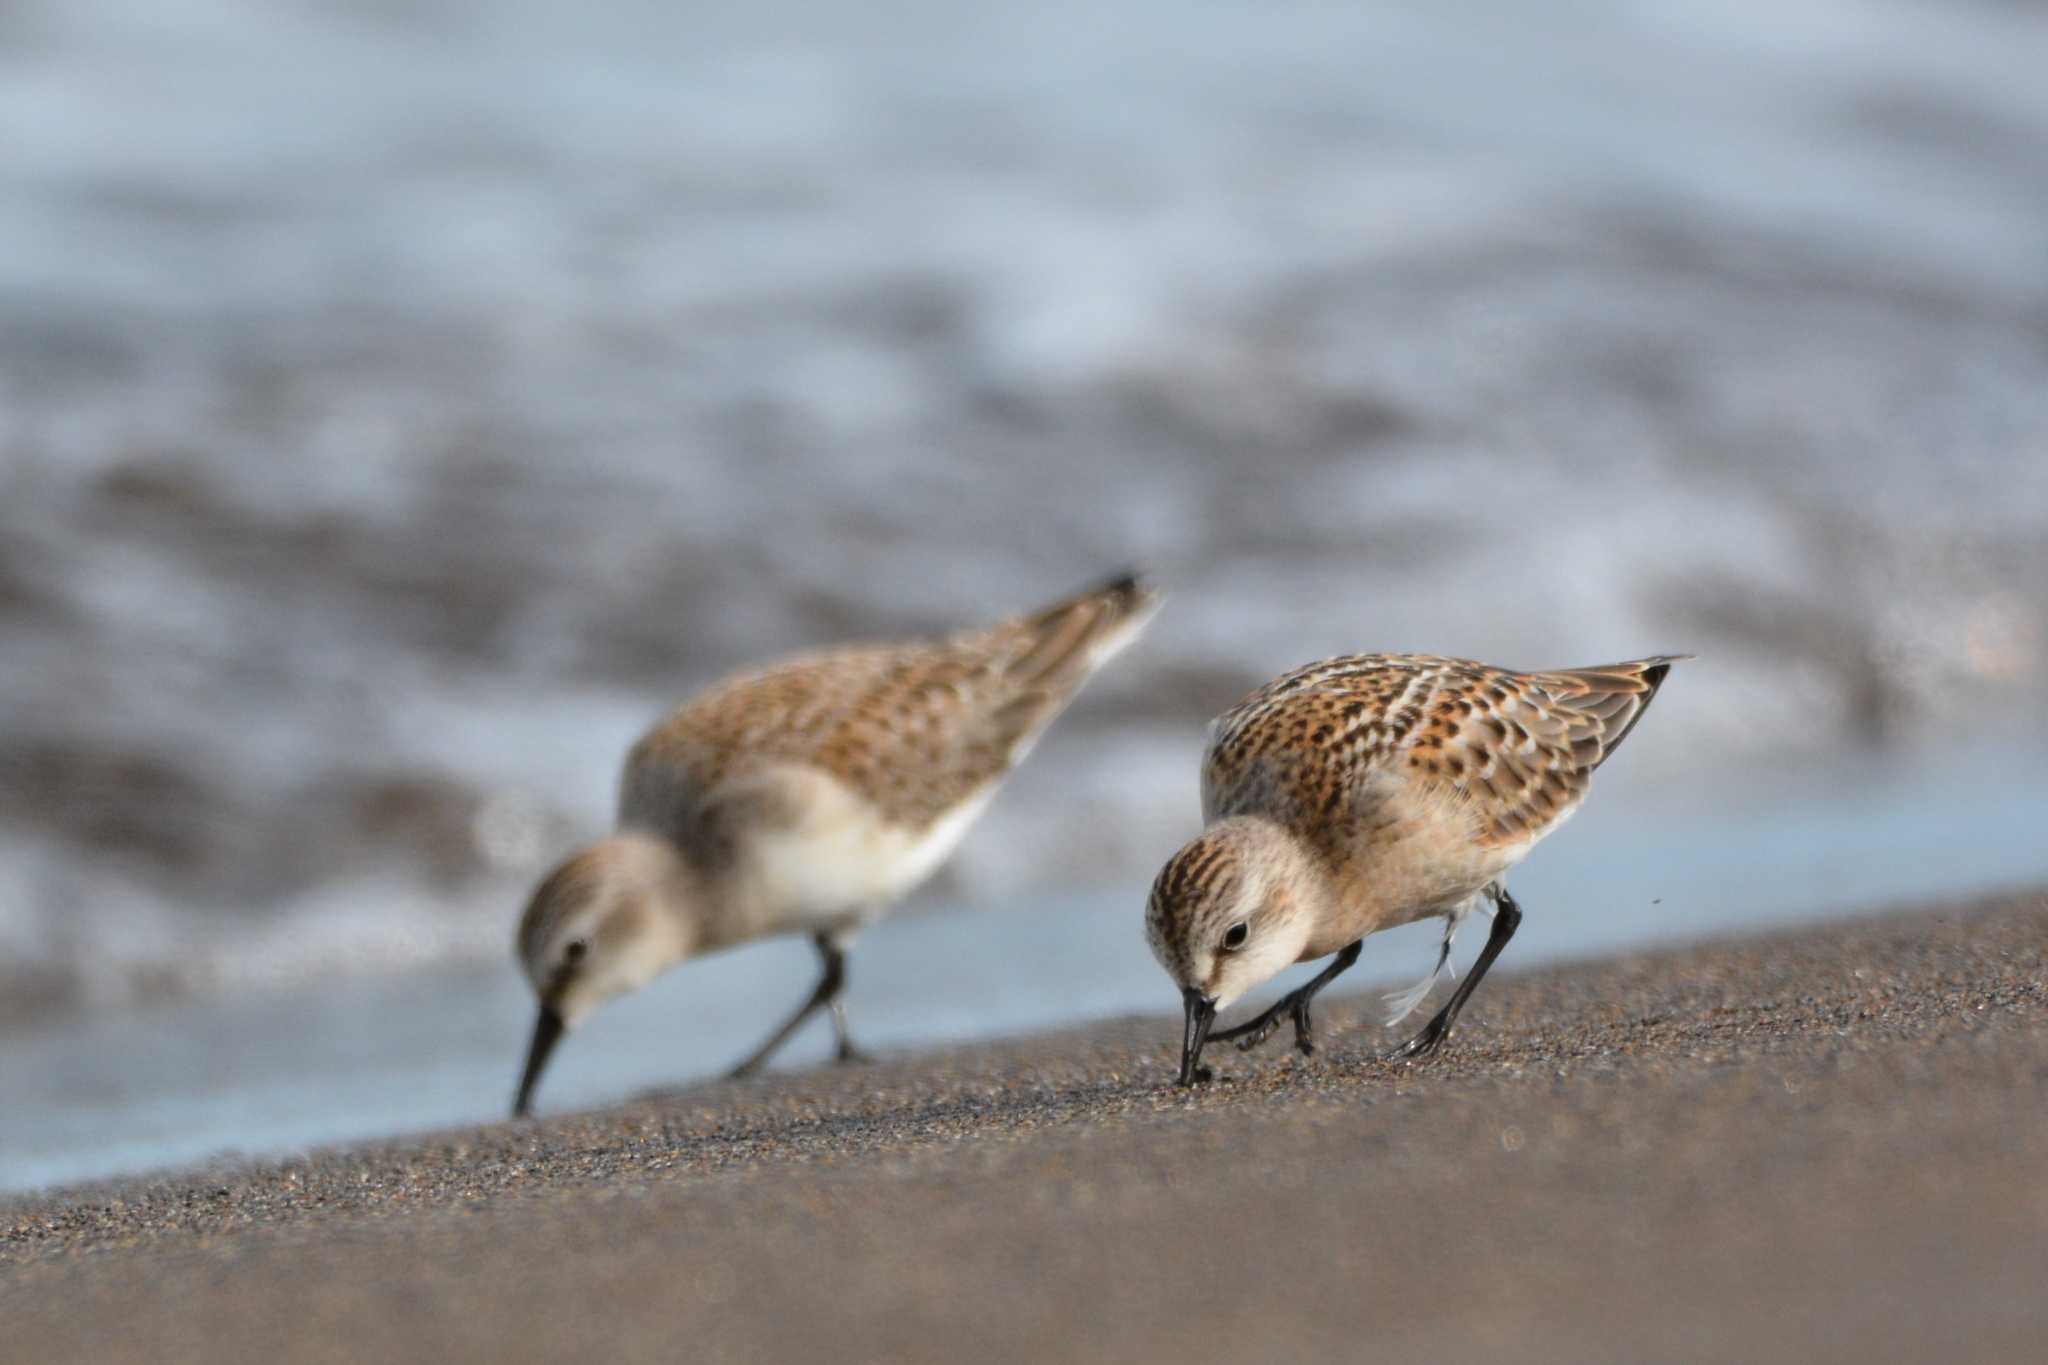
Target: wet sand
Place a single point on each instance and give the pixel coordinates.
(1821, 1146)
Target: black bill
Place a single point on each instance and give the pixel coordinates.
(1201, 1014)
(547, 1031)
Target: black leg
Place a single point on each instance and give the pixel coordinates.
(1506, 916)
(1296, 1002)
(826, 993)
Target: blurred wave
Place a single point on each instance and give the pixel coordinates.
(404, 402)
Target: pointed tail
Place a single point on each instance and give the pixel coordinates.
(1066, 641)
(1606, 701)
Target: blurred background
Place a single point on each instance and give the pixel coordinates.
(403, 401)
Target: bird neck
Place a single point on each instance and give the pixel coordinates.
(1280, 862)
(678, 899)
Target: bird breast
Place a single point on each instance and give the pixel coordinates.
(1407, 857)
(831, 859)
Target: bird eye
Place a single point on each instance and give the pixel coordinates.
(1237, 934)
(576, 949)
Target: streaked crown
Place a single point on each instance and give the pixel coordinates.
(1231, 908)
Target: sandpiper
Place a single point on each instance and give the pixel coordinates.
(1364, 792)
(807, 797)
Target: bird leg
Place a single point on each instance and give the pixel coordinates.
(826, 994)
(1506, 916)
(845, 1051)
(1296, 1002)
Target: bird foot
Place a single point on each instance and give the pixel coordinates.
(1423, 1045)
(1258, 1034)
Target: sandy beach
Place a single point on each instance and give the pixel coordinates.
(1818, 1146)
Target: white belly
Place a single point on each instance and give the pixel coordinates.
(840, 864)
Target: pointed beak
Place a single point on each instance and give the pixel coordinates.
(1201, 1013)
(547, 1031)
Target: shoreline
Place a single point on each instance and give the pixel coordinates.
(1840, 1120)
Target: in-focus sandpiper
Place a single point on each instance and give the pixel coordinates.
(807, 797)
(1365, 792)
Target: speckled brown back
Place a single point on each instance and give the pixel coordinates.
(1311, 748)
(915, 728)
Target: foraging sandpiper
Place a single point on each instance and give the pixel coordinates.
(1365, 792)
(807, 797)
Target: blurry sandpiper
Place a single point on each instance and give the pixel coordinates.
(1365, 792)
(805, 798)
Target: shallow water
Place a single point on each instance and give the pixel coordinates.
(128, 1090)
